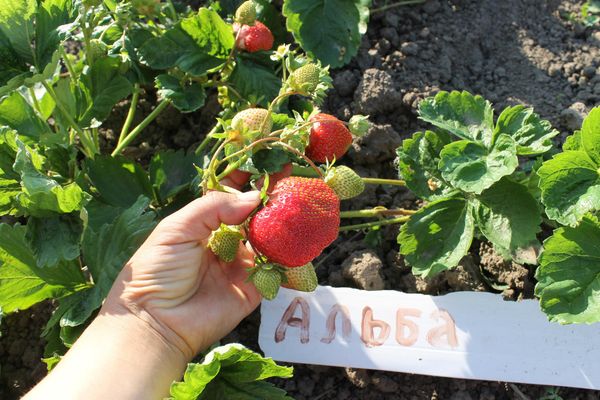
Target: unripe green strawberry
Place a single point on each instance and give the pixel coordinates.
(225, 241)
(148, 8)
(305, 78)
(267, 280)
(97, 49)
(246, 13)
(345, 182)
(252, 119)
(301, 278)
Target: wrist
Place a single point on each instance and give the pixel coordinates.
(139, 322)
(118, 356)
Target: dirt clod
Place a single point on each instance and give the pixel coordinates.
(364, 269)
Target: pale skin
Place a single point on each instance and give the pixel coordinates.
(173, 299)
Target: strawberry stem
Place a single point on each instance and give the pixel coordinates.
(299, 154)
(379, 181)
(375, 212)
(392, 221)
(397, 4)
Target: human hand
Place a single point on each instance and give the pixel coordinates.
(178, 286)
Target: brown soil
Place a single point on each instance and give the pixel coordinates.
(511, 52)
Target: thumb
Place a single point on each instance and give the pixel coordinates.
(197, 220)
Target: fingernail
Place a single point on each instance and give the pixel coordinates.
(249, 197)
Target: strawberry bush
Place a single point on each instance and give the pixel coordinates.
(498, 184)
(75, 208)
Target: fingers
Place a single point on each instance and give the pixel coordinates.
(197, 220)
(236, 179)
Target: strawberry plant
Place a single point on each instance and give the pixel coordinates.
(474, 185)
(570, 186)
(478, 186)
(74, 209)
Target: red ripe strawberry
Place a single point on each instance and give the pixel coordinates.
(301, 218)
(329, 138)
(253, 38)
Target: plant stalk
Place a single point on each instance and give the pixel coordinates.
(375, 212)
(397, 4)
(207, 139)
(379, 181)
(88, 145)
(131, 113)
(136, 131)
(392, 221)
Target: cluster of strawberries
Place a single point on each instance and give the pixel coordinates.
(302, 215)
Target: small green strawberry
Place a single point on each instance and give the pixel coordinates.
(253, 119)
(345, 182)
(97, 49)
(267, 280)
(224, 242)
(246, 13)
(301, 278)
(305, 78)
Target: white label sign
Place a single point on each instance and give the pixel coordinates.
(469, 335)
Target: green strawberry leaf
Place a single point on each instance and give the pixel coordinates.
(573, 142)
(30, 34)
(254, 78)
(185, 97)
(119, 180)
(460, 113)
(42, 195)
(9, 189)
(16, 113)
(172, 171)
(22, 283)
(52, 27)
(8, 153)
(437, 236)
(532, 134)
(231, 372)
(196, 45)
(328, 30)
(509, 217)
(569, 274)
(417, 162)
(280, 121)
(103, 86)
(54, 239)
(570, 186)
(270, 160)
(91, 99)
(471, 167)
(590, 135)
(105, 251)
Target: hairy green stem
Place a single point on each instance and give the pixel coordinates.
(397, 4)
(392, 221)
(232, 167)
(36, 103)
(207, 139)
(68, 64)
(378, 181)
(375, 212)
(89, 147)
(131, 113)
(136, 131)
